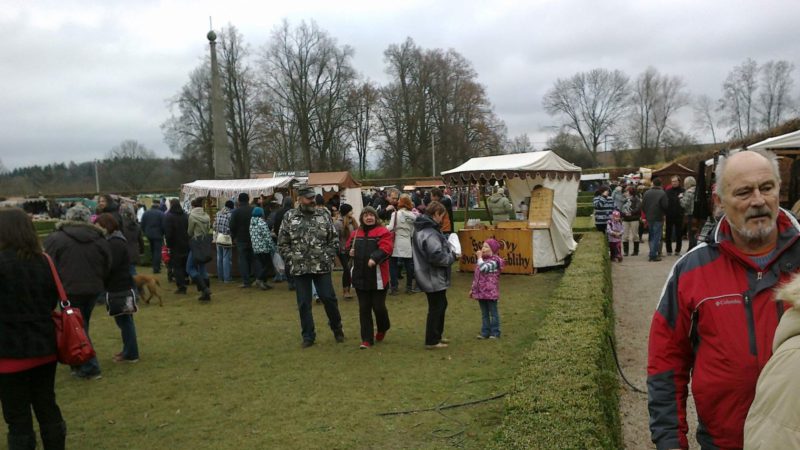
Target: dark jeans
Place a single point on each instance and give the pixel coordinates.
(155, 249)
(265, 267)
(127, 328)
(691, 231)
(324, 285)
(654, 230)
(85, 303)
(246, 257)
(369, 301)
(178, 263)
(490, 318)
(31, 388)
(434, 326)
(347, 276)
(674, 232)
(394, 271)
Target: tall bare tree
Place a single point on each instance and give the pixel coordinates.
(774, 98)
(671, 96)
(130, 164)
(361, 107)
(705, 115)
(310, 76)
(738, 99)
(520, 144)
(591, 104)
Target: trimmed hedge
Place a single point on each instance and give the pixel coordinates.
(585, 209)
(481, 213)
(44, 226)
(565, 395)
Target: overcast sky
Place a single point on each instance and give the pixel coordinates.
(79, 77)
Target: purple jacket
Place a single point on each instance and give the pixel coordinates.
(486, 282)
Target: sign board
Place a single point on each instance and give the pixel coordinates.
(516, 248)
(540, 212)
(291, 173)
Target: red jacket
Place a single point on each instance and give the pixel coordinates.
(715, 322)
(376, 244)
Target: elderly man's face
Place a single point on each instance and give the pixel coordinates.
(750, 198)
(307, 201)
(392, 198)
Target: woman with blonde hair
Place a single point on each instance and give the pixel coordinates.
(402, 224)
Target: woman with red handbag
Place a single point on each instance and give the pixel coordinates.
(28, 295)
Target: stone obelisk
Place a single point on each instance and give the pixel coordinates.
(223, 169)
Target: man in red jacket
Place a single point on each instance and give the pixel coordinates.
(716, 318)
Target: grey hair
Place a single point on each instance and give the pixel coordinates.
(772, 158)
(689, 182)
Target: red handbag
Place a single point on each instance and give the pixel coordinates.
(72, 343)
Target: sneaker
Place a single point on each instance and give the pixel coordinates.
(436, 346)
(393, 291)
(365, 345)
(412, 290)
(444, 340)
(263, 285)
(317, 300)
(244, 286)
(91, 376)
(494, 337)
(307, 344)
(380, 336)
(180, 291)
(120, 359)
(480, 336)
(339, 336)
(669, 253)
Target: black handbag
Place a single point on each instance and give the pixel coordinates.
(202, 249)
(122, 302)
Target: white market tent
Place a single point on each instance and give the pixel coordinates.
(523, 172)
(788, 140)
(254, 187)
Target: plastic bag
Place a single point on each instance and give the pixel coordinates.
(455, 244)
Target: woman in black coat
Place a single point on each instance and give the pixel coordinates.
(27, 336)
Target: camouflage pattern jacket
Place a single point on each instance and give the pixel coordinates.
(308, 241)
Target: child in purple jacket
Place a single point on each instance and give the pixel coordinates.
(486, 287)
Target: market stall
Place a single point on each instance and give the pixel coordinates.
(544, 182)
(229, 189)
(342, 184)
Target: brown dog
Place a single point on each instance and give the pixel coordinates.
(151, 282)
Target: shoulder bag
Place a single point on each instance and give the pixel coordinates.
(122, 302)
(72, 345)
(201, 248)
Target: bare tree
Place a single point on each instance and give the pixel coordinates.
(571, 148)
(310, 76)
(670, 97)
(130, 164)
(774, 98)
(520, 144)
(655, 98)
(705, 115)
(738, 99)
(361, 119)
(591, 103)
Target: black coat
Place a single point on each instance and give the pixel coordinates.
(119, 277)
(240, 224)
(82, 256)
(176, 230)
(153, 223)
(27, 296)
(674, 209)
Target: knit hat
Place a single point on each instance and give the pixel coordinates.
(493, 244)
(345, 209)
(257, 212)
(367, 210)
(79, 213)
(615, 214)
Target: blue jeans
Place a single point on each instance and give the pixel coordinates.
(654, 230)
(490, 325)
(85, 303)
(324, 286)
(224, 263)
(195, 269)
(394, 269)
(130, 348)
(245, 251)
(155, 248)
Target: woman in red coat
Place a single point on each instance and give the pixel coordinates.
(370, 247)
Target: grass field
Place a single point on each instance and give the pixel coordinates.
(232, 375)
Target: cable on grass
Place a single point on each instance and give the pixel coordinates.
(443, 407)
(619, 368)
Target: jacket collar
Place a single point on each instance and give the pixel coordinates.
(788, 233)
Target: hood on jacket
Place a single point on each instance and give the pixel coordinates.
(200, 215)
(789, 292)
(790, 321)
(81, 231)
(496, 197)
(425, 221)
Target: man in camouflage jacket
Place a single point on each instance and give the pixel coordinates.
(308, 243)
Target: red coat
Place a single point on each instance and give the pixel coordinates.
(375, 244)
(715, 322)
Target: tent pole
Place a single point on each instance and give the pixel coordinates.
(482, 192)
(466, 208)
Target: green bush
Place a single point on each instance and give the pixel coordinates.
(44, 226)
(458, 215)
(584, 197)
(585, 209)
(565, 394)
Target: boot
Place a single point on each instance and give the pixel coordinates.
(201, 286)
(635, 249)
(625, 248)
(53, 436)
(22, 442)
(208, 282)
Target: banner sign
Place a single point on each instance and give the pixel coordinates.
(516, 248)
(291, 173)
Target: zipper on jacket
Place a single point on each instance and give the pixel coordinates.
(751, 326)
(759, 275)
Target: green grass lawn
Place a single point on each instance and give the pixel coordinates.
(232, 375)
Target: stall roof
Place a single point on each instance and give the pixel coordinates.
(515, 164)
(788, 140)
(673, 169)
(231, 188)
(341, 179)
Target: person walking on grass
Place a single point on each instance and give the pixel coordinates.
(239, 225)
(432, 260)
(402, 225)
(654, 207)
(28, 295)
(176, 226)
(120, 280)
(486, 287)
(263, 247)
(199, 225)
(308, 243)
(370, 247)
(224, 248)
(345, 226)
(153, 228)
(631, 215)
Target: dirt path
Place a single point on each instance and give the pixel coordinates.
(637, 287)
